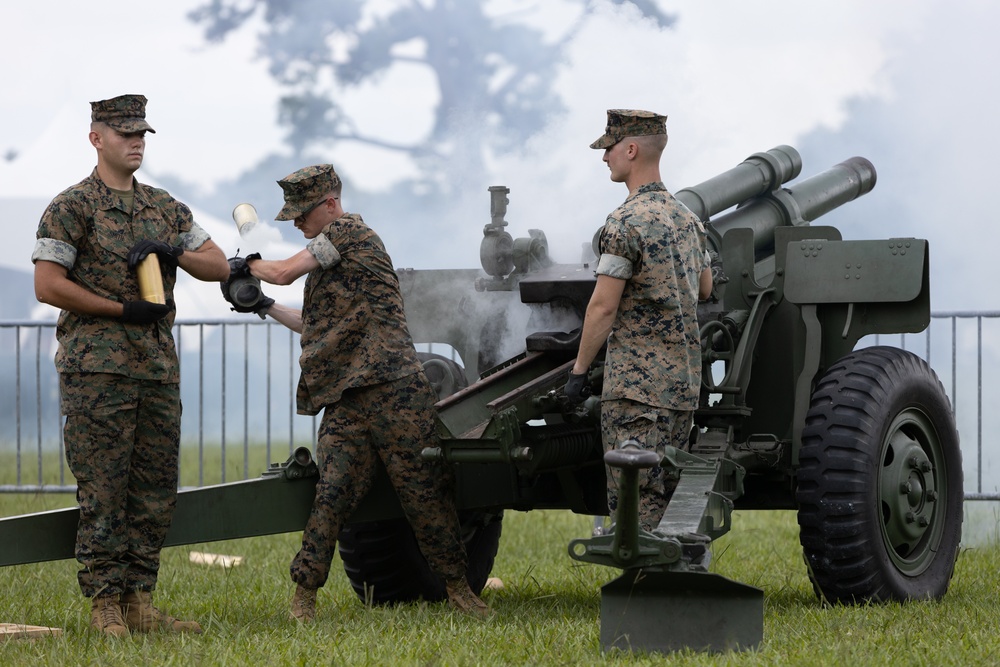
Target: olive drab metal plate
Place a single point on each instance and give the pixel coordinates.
(645, 610)
(878, 271)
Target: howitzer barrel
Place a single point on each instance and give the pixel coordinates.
(758, 174)
(798, 205)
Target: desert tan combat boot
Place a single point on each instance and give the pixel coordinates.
(142, 616)
(461, 597)
(106, 616)
(303, 604)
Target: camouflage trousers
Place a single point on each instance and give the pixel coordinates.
(122, 437)
(391, 422)
(653, 428)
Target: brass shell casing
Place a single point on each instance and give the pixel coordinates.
(150, 279)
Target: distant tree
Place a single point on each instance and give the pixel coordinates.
(492, 73)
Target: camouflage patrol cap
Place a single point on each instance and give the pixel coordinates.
(630, 123)
(306, 188)
(125, 113)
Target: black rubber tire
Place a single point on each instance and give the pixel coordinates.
(879, 483)
(385, 566)
(445, 375)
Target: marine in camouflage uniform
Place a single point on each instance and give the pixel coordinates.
(359, 367)
(118, 368)
(653, 248)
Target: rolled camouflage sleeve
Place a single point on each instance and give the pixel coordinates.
(614, 266)
(619, 251)
(324, 251)
(193, 238)
(52, 250)
(59, 233)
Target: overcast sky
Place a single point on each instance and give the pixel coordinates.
(215, 105)
(906, 83)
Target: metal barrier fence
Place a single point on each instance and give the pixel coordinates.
(238, 382)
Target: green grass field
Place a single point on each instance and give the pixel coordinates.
(198, 468)
(546, 614)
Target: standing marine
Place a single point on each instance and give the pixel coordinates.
(118, 369)
(653, 268)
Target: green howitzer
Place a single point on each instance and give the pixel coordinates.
(794, 414)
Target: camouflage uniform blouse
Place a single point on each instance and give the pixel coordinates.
(87, 230)
(658, 246)
(354, 331)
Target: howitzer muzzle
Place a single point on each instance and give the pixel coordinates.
(797, 205)
(758, 174)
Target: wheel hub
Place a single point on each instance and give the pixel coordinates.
(908, 491)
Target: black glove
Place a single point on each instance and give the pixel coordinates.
(265, 301)
(143, 312)
(577, 389)
(262, 306)
(239, 267)
(168, 253)
(242, 290)
(245, 293)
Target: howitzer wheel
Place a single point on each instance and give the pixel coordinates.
(880, 481)
(385, 566)
(445, 375)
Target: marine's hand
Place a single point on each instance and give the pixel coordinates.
(242, 290)
(243, 301)
(143, 312)
(239, 267)
(262, 306)
(168, 253)
(577, 388)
